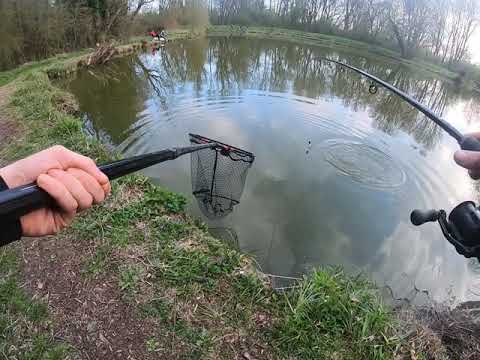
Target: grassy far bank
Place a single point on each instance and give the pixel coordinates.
(186, 294)
(69, 61)
(60, 63)
(8, 76)
(330, 41)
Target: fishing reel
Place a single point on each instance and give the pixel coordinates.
(461, 228)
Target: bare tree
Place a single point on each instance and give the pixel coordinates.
(409, 20)
(464, 19)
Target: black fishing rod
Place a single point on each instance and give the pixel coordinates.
(465, 142)
(462, 227)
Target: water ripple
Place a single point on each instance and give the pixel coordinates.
(364, 163)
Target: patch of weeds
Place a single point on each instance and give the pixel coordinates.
(249, 289)
(198, 338)
(130, 276)
(157, 198)
(169, 231)
(181, 266)
(67, 126)
(157, 308)
(42, 349)
(332, 313)
(98, 263)
(201, 225)
(245, 299)
(152, 345)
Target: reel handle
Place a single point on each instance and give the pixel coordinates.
(420, 217)
(470, 143)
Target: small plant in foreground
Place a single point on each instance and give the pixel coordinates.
(129, 277)
(152, 345)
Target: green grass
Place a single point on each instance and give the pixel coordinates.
(29, 68)
(65, 63)
(203, 295)
(333, 314)
(38, 102)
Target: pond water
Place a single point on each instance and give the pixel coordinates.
(338, 169)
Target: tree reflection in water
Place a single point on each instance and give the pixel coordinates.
(226, 67)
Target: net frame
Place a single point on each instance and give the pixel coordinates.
(218, 176)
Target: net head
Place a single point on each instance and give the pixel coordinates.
(218, 176)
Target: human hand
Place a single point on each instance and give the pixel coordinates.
(72, 180)
(470, 160)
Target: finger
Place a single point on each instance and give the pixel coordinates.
(467, 159)
(474, 174)
(476, 135)
(75, 187)
(90, 184)
(107, 188)
(70, 159)
(62, 221)
(58, 192)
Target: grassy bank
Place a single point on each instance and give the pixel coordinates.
(329, 41)
(184, 294)
(63, 64)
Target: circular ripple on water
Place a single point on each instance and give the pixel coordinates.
(364, 163)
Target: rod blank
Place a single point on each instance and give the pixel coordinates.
(422, 108)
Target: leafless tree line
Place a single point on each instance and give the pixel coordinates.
(438, 28)
(36, 29)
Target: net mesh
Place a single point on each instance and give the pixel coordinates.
(218, 176)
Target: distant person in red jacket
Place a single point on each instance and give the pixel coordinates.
(154, 35)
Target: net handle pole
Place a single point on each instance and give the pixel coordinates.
(214, 173)
(21, 200)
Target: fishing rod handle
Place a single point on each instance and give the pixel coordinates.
(470, 143)
(21, 200)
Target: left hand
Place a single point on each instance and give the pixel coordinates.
(73, 181)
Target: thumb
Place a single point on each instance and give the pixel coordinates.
(467, 159)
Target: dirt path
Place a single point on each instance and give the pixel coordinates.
(88, 313)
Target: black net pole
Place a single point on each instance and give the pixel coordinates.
(214, 173)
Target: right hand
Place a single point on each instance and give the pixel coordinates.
(72, 180)
(469, 160)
